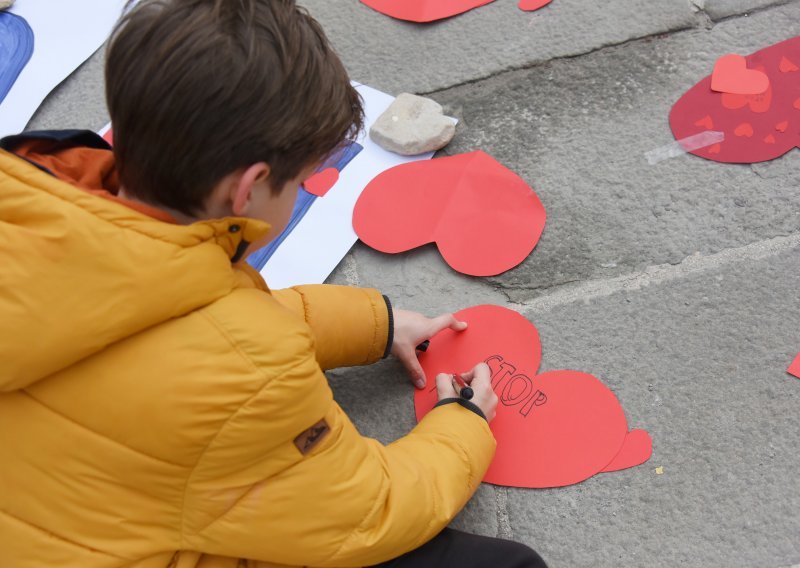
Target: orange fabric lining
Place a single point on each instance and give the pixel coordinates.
(91, 169)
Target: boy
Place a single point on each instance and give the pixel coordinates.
(159, 406)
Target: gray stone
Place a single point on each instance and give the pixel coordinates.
(78, 102)
(412, 125)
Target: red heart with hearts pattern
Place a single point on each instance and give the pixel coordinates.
(728, 112)
(552, 429)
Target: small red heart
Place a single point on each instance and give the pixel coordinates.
(552, 429)
(320, 183)
(715, 149)
(705, 122)
(782, 126)
(787, 66)
(797, 104)
(744, 129)
(483, 217)
(531, 5)
(731, 75)
(794, 368)
(770, 139)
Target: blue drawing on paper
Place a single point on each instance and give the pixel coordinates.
(305, 200)
(16, 48)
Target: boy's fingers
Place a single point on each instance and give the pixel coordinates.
(444, 386)
(409, 359)
(445, 321)
(479, 375)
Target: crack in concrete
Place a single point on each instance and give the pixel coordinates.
(755, 10)
(659, 274)
(703, 21)
(504, 529)
(702, 17)
(755, 171)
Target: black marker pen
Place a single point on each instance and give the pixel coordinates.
(463, 389)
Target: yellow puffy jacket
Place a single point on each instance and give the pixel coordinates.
(160, 407)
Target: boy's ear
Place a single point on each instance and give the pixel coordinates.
(242, 189)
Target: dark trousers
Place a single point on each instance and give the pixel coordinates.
(456, 549)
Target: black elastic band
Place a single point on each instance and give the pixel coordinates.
(465, 403)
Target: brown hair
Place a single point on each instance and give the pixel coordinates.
(198, 89)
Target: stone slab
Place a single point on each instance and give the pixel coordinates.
(78, 102)
(700, 364)
(399, 56)
(718, 9)
(577, 129)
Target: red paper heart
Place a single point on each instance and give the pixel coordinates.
(423, 10)
(637, 449)
(787, 66)
(320, 183)
(705, 122)
(757, 103)
(483, 217)
(744, 129)
(794, 368)
(762, 111)
(531, 5)
(731, 75)
(552, 429)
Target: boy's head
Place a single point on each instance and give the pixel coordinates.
(198, 90)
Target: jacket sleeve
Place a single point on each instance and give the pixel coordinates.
(348, 501)
(351, 326)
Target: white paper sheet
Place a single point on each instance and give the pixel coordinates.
(312, 250)
(66, 33)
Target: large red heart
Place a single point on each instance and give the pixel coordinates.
(731, 75)
(552, 429)
(764, 112)
(483, 217)
(423, 10)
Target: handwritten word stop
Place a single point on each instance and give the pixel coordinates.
(552, 429)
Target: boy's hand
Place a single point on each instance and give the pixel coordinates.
(411, 329)
(480, 379)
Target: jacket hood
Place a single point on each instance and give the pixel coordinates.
(79, 272)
